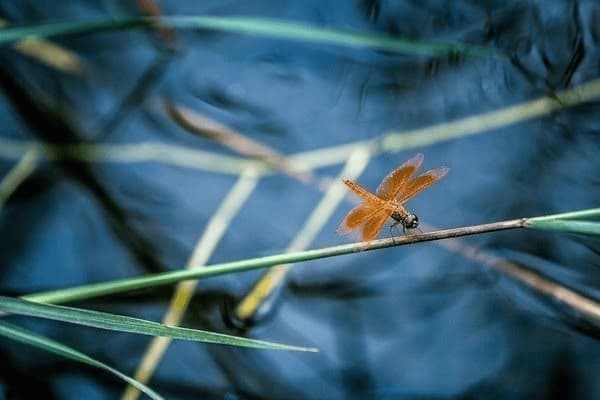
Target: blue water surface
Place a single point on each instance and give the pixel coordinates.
(411, 322)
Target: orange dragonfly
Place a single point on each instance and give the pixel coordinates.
(395, 189)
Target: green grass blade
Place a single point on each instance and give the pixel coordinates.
(19, 334)
(592, 213)
(200, 272)
(272, 28)
(577, 227)
(269, 28)
(584, 222)
(123, 323)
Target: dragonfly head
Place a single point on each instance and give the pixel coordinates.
(411, 221)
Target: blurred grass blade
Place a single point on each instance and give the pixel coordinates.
(272, 28)
(18, 174)
(230, 138)
(269, 28)
(263, 293)
(17, 33)
(559, 293)
(128, 324)
(185, 157)
(19, 334)
(49, 53)
(213, 233)
(585, 222)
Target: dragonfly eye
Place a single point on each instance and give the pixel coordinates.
(411, 221)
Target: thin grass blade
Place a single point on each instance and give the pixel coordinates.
(268, 28)
(123, 323)
(17, 33)
(19, 334)
(201, 272)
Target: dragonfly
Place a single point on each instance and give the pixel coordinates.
(388, 201)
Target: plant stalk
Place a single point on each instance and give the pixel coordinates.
(84, 292)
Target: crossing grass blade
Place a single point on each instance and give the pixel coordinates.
(25, 336)
(123, 323)
(269, 28)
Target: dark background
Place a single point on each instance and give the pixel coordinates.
(413, 322)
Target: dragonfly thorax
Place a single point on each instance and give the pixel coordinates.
(409, 221)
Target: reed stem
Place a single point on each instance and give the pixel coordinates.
(84, 292)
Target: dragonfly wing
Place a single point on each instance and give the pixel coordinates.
(355, 218)
(393, 183)
(421, 182)
(374, 225)
(363, 193)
